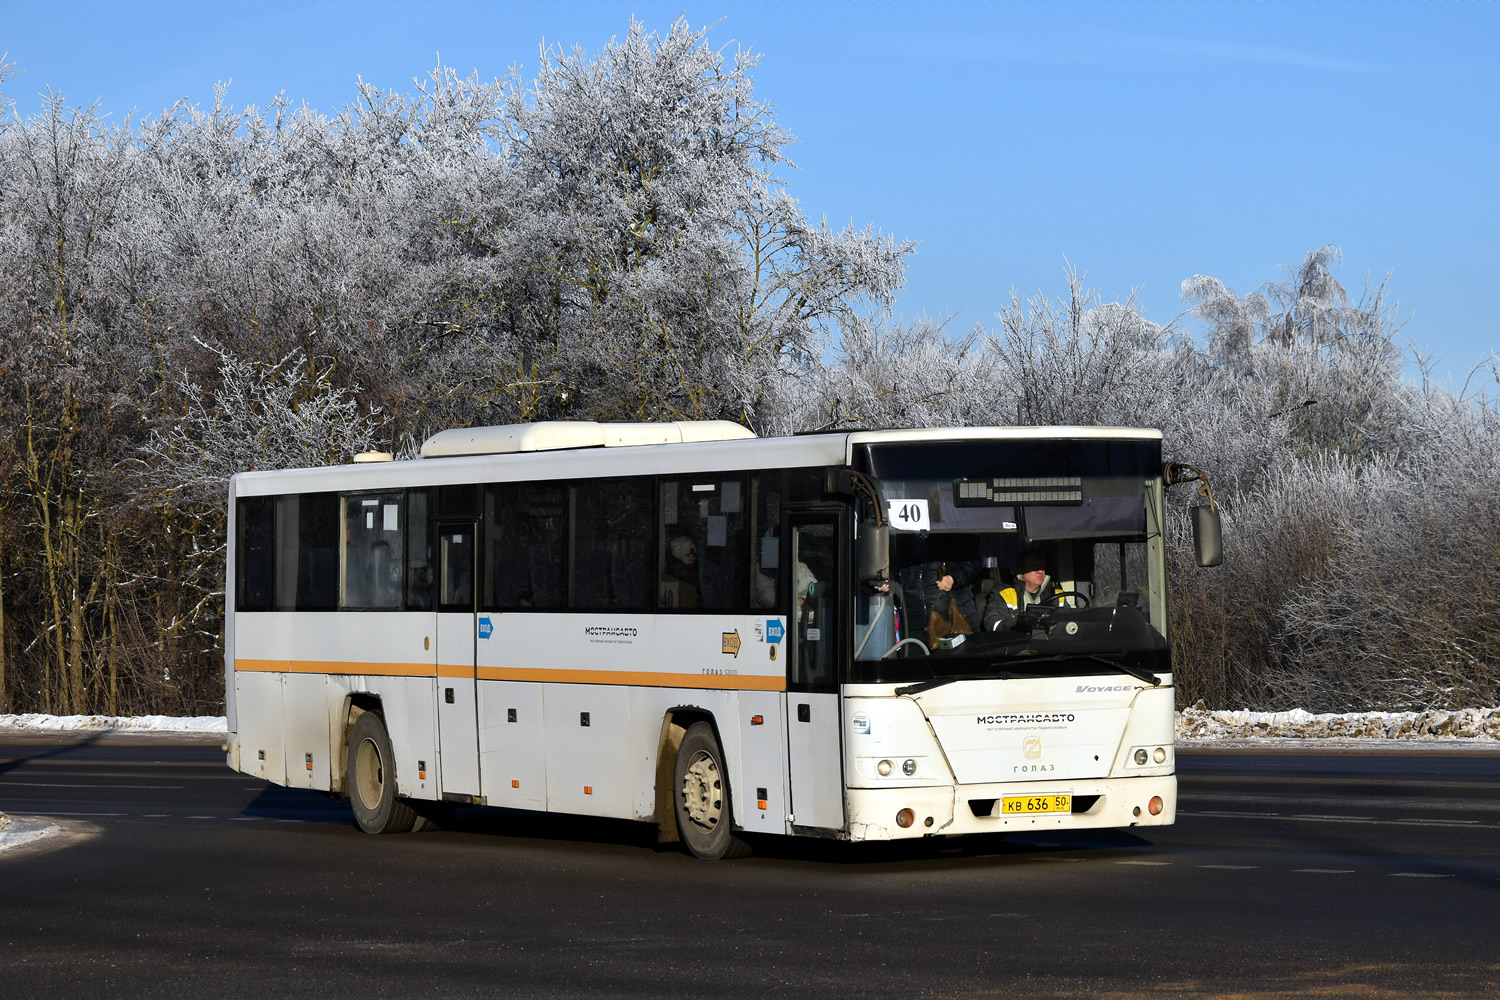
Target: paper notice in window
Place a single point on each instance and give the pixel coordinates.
(669, 503)
(392, 517)
(729, 498)
(718, 531)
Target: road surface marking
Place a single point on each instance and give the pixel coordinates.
(68, 784)
(1326, 871)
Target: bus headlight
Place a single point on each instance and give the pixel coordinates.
(883, 768)
(908, 767)
(1140, 756)
(1160, 756)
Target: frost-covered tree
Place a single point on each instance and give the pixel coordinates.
(615, 239)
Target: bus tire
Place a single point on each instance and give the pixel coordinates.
(372, 779)
(701, 792)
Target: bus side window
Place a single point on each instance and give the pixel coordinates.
(307, 552)
(525, 534)
(418, 553)
(255, 554)
(371, 562)
(612, 545)
(765, 539)
(701, 556)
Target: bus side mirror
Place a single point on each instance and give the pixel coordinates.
(1208, 536)
(874, 552)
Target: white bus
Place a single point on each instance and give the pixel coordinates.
(720, 634)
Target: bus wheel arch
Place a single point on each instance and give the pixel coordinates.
(371, 778)
(702, 796)
(674, 725)
(355, 705)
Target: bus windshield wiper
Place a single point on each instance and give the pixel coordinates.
(1124, 668)
(937, 682)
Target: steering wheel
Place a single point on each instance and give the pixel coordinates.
(1056, 599)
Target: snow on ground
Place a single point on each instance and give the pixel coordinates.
(100, 723)
(1196, 725)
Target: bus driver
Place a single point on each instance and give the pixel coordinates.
(1033, 587)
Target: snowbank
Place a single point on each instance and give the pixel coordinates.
(1481, 724)
(97, 723)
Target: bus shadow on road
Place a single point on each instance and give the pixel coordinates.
(499, 826)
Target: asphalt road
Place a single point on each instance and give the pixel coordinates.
(1287, 875)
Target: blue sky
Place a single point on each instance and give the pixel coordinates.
(1143, 142)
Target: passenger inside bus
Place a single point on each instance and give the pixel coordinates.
(680, 575)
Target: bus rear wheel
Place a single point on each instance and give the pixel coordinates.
(372, 779)
(702, 797)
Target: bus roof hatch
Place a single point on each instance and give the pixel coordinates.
(557, 435)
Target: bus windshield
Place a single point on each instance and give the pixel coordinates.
(1016, 559)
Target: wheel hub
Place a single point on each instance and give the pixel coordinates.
(702, 791)
(370, 781)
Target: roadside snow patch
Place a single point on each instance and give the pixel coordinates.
(94, 723)
(16, 833)
(1481, 724)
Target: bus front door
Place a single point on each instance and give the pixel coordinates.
(457, 633)
(812, 701)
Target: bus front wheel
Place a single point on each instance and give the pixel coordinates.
(372, 779)
(702, 797)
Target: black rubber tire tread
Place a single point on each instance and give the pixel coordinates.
(720, 842)
(387, 813)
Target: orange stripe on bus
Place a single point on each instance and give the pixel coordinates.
(336, 667)
(638, 678)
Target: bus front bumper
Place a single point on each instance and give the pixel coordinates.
(876, 813)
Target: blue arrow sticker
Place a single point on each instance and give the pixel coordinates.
(485, 626)
(774, 631)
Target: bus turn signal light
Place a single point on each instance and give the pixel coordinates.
(1155, 805)
(905, 818)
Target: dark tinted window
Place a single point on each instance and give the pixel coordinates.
(525, 530)
(255, 554)
(418, 553)
(612, 520)
(307, 556)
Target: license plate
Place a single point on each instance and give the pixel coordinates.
(1024, 805)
